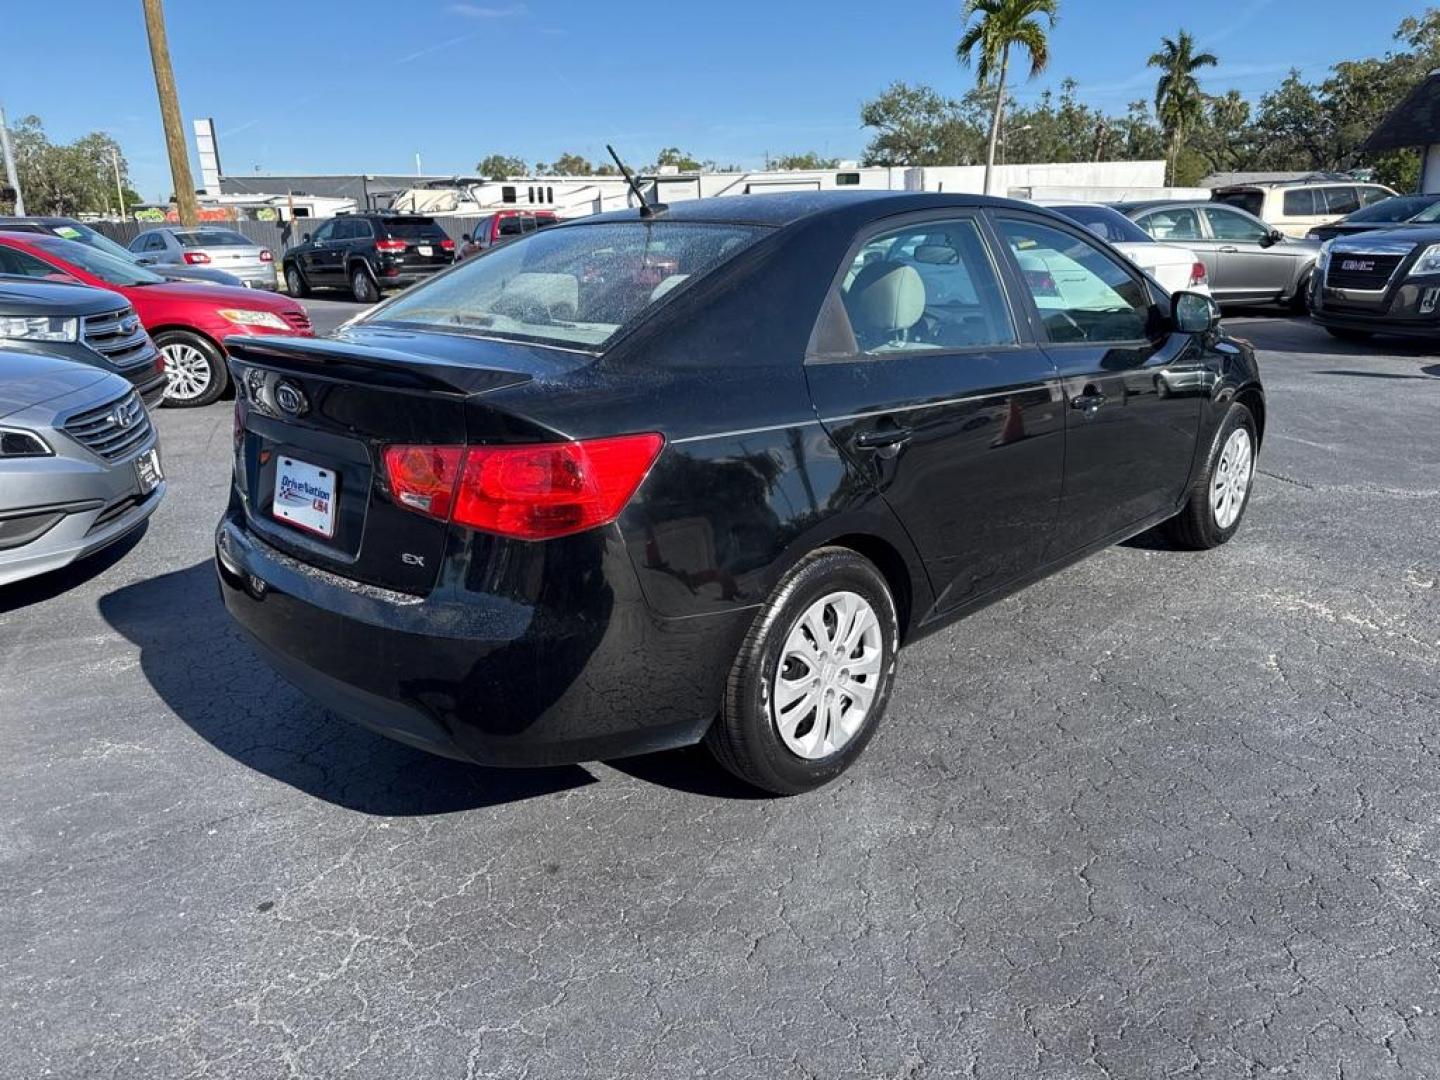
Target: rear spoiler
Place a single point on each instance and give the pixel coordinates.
(369, 365)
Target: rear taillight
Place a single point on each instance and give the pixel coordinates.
(447, 245)
(265, 255)
(1197, 274)
(195, 258)
(390, 245)
(534, 492)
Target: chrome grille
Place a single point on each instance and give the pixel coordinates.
(112, 430)
(118, 336)
(1365, 266)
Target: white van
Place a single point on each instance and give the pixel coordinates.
(1296, 207)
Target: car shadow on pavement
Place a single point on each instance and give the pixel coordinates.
(1425, 375)
(205, 672)
(48, 586)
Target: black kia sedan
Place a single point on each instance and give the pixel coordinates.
(1385, 282)
(647, 479)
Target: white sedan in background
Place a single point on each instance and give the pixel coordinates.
(1175, 267)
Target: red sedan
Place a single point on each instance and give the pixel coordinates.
(188, 321)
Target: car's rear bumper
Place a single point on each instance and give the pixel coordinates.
(482, 677)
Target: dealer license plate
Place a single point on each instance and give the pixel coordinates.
(147, 471)
(426, 250)
(305, 496)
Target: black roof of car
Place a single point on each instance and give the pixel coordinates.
(786, 208)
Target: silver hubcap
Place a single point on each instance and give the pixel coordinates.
(828, 675)
(1232, 478)
(187, 369)
(361, 284)
(293, 280)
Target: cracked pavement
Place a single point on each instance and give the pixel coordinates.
(1165, 814)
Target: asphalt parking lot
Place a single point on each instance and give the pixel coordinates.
(1165, 814)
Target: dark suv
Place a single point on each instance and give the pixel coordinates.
(75, 322)
(367, 254)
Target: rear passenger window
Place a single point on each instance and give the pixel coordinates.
(1300, 203)
(1083, 295)
(1341, 200)
(1172, 225)
(925, 288)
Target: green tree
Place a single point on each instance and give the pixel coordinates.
(1179, 102)
(674, 157)
(915, 125)
(74, 178)
(501, 167)
(808, 160)
(572, 165)
(991, 28)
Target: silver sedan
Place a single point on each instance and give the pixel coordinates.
(210, 246)
(1246, 261)
(79, 463)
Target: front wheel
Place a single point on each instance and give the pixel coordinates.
(812, 679)
(1300, 302)
(194, 368)
(362, 286)
(1216, 504)
(295, 282)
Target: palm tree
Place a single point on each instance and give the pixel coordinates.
(992, 27)
(1179, 102)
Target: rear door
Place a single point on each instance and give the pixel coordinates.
(1252, 271)
(1128, 384)
(941, 400)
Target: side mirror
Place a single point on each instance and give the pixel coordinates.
(465, 237)
(1194, 313)
(305, 239)
(1270, 239)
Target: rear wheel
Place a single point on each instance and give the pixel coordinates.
(812, 678)
(1218, 500)
(1348, 335)
(295, 281)
(362, 285)
(194, 368)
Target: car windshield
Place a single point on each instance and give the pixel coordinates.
(1109, 225)
(1430, 213)
(1399, 208)
(213, 238)
(575, 287)
(1247, 199)
(412, 228)
(83, 234)
(108, 268)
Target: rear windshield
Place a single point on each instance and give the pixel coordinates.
(83, 234)
(576, 287)
(213, 238)
(108, 268)
(1250, 201)
(1110, 225)
(422, 228)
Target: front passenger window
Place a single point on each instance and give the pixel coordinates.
(1083, 294)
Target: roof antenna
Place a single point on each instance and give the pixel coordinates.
(647, 209)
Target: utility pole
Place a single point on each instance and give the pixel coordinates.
(170, 113)
(119, 188)
(11, 176)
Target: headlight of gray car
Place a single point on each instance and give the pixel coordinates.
(39, 328)
(16, 444)
(1428, 262)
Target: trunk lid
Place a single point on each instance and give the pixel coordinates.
(313, 417)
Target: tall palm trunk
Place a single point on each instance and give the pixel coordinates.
(995, 123)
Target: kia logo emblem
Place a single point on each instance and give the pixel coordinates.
(291, 399)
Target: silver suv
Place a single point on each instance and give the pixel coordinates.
(79, 463)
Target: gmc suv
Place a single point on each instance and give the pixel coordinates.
(368, 254)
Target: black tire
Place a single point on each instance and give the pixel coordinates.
(362, 285)
(1300, 302)
(1348, 335)
(295, 283)
(198, 354)
(745, 738)
(1196, 526)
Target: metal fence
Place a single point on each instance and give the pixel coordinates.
(279, 237)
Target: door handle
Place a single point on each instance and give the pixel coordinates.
(886, 438)
(1229, 249)
(1088, 401)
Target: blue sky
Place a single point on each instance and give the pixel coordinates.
(321, 86)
